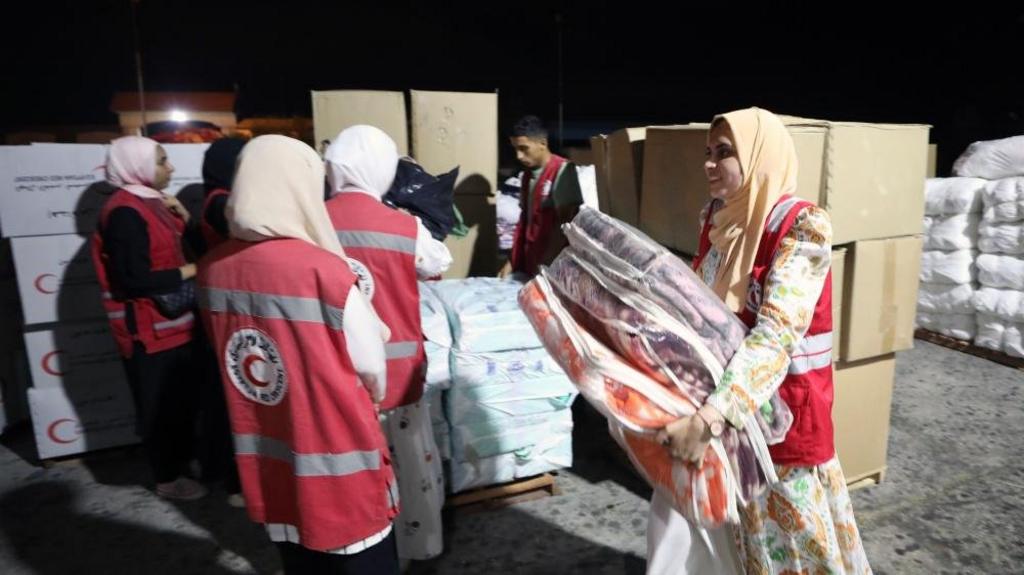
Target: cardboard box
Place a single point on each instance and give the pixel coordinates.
(868, 176)
(476, 254)
(880, 297)
(933, 159)
(838, 272)
(625, 165)
(335, 110)
(56, 279)
(675, 188)
(860, 414)
(50, 189)
(871, 176)
(457, 129)
(599, 149)
(66, 423)
(74, 356)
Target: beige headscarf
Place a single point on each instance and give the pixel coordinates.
(769, 163)
(278, 192)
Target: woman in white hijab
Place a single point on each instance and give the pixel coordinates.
(273, 303)
(361, 166)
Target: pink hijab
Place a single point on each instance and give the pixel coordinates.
(131, 165)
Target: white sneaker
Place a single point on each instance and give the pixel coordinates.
(181, 489)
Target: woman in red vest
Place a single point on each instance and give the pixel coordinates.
(302, 361)
(767, 254)
(218, 171)
(389, 250)
(138, 253)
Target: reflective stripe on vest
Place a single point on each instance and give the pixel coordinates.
(115, 314)
(811, 353)
(183, 320)
(377, 240)
(400, 349)
(308, 464)
(271, 306)
(780, 212)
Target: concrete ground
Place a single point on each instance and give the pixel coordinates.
(952, 502)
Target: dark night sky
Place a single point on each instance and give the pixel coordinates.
(626, 63)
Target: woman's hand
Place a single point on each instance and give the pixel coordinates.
(174, 204)
(188, 271)
(686, 439)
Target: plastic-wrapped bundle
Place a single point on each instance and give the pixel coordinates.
(1004, 201)
(649, 338)
(504, 367)
(1001, 238)
(938, 267)
(636, 262)
(992, 159)
(497, 404)
(952, 196)
(433, 317)
(553, 452)
(484, 316)
(637, 406)
(961, 326)
(940, 298)
(958, 232)
(1000, 335)
(1003, 272)
(1004, 304)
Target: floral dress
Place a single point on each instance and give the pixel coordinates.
(804, 523)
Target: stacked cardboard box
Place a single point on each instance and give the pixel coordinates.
(448, 129)
(50, 198)
(869, 178)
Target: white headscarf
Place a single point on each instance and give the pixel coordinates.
(362, 159)
(278, 193)
(131, 165)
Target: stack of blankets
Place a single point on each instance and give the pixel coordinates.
(1000, 301)
(507, 402)
(945, 301)
(973, 276)
(646, 342)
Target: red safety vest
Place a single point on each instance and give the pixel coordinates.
(210, 235)
(807, 388)
(149, 327)
(533, 234)
(381, 246)
(309, 448)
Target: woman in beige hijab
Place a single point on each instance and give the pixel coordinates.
(767, 254)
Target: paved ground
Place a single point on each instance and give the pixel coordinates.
(953, 501)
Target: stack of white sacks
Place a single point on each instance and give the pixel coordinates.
(508, 402)
(1000, 300)
(945, 301)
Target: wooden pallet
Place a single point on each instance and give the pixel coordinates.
(499, 496)
(968, 347)
(866, 480)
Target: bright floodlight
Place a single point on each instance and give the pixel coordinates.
(179, 116)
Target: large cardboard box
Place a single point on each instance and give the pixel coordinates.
(74, 356)
(933, 159)
(880, 297)
(56, 279)
(457, 129)
(461, 129)
(49, 189)
(675, 189)
(69, 422)
(838, 272)
(860, 413)
(625, 165)
(335, 110)
(599, 149)
(871, 176)
(868, 176)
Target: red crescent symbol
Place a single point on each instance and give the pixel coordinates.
(247, 364)
(46, 363)
(39, 284)
(51, 431)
